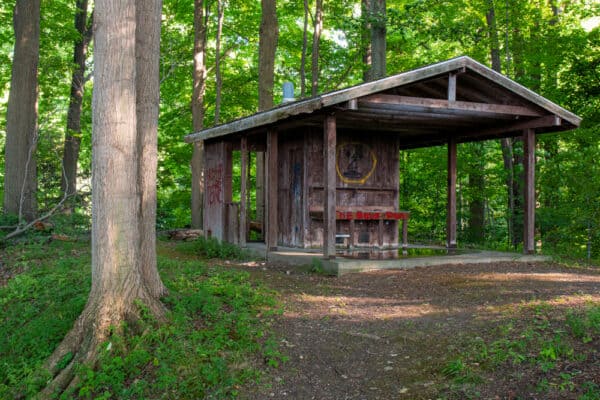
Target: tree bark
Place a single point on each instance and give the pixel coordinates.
(147, 61)
(118, 199)
(219, 78)
(197, 164)
(73, 135)
(506, 143)
(20, 174)
(366, 40)
(304, 49)
(317, 28)
(267, 45)
(477, 198)
(378, 39)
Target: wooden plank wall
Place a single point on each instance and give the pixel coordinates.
(291, 189)
(214, 199)
(356, 187)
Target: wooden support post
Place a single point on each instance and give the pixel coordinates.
(272, 176)
(529, 185)
(243, 188)
(451, 218)
(404, 236)
(380, 234)
(452, 86)
(329, 184)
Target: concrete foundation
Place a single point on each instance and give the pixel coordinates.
(340, 265)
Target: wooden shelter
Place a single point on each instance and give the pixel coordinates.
(331, 166)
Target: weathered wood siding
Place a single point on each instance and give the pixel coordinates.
(367, 177)
(214, 181)
(291, 189)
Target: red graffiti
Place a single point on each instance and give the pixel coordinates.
(214, 184)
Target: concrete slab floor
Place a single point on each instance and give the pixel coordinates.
(342, 265)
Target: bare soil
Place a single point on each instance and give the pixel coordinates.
(388, 334)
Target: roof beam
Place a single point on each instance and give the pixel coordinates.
(543, 122)
(428, 105)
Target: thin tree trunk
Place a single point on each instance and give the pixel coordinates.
(378, 39)
(318, 27)
(197, 164)
(477, 198)
(304, 49)
(219, 78)
(73, 134)
(148, 18)
(20, 174)
(518, 190)
(505, 144)
(366, 40)
(267, 45)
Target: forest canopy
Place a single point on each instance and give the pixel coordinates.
(551, 47)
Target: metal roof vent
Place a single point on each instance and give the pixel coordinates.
(288, 92)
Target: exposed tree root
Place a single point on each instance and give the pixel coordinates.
(90, 334)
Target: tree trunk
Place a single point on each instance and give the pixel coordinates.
(147, 61)
(20, 174)
(267, 45)
(378, 39)
(366, 40)
(219, 78)
(477, 198)
(304, 48)
(317, 28)
(505, 144)
(118, 278)
(73, 135)
(197, 164)
(518, 191)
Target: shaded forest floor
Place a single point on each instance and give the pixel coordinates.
(497, 331)
(490, 331)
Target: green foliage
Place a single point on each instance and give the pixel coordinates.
(37, 308)
(546, 342)
(219, 320)
(585, 325)
(213, 248)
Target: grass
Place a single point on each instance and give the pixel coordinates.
(219, 329)
(554, 349)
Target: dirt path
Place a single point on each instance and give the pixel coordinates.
(388, 334)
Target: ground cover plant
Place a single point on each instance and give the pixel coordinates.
(555, 348)
(208, 348)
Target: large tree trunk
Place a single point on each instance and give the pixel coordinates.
(317, 28)
(147, 61)
(118, 278)
(197, 164)
(20, 174)
(72, 137)
(267, 46)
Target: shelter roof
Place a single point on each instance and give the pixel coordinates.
(459, 97)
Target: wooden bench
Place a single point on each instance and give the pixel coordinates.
(368, 213)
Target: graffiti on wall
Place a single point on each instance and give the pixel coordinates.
(214, 184)
(355, 162)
